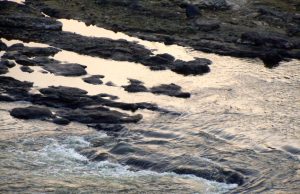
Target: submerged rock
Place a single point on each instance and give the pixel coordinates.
(31, 112)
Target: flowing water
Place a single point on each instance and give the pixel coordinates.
(241, 115)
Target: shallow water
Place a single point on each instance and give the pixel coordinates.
(240, 112)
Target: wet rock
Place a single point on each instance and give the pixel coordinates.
(170, 90)
(110, 83)
(23, 60)
(27, 22)
(107, 127)
(69, 69)
(196, 67)
(213, 4)
(271, 59)
(192, 11)
(31, 112)
(94, 79)
(62, 92)
(15, 88)
(6, 98)
(3, 69)
(216, 174)
(159, 62)
(61, 121)
(123, 148)
(109, 96)
(26, 69)
(7, 63)
(207, 25)
(259, 39)
(33, 51)
(140, 163)
(135, 86)
(99, 116)
(2, 46)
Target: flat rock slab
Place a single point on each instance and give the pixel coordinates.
(31, 112)
(94, 79)
(68, 69)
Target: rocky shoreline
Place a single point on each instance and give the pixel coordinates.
(257, 29)
(263, 29)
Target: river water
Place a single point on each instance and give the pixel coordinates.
(241, 115)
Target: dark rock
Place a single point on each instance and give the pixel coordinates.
(271, 59)
(196, 67)
(16, 47)
(3, 69)
(216, 174)
(213, 4)
(107, 127)
(110, 83)
(6, 98)
(34, 51)
(15, 88)
(259, 39)
(192, 11)
(61, 121)
(135, 86)
(69, 69)
(26, 69)
(31, 112)
(33, 23)
(23, 60)
(140, 163)
(99, 116)
(7, 63)
(2, 46)
(123, 148)
(109, 96)
(170, 90)
(62, 92)
(207, 25)
(94, 79)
